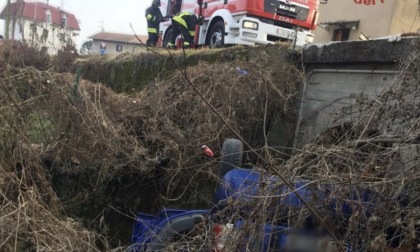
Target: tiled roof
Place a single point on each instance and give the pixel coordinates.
(37, 11)
(118, 37)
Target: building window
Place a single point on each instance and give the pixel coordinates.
(119, 48)
(33, 27)
(63, 21)
(341, 35)
(62, 37)
(44, 35)
(48, 16)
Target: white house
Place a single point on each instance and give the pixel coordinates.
(116, 43)
(40, 24)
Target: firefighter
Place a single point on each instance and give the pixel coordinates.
(184, 23)
(154, 17)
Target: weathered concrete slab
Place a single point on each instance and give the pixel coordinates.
(373, 51)
(328, 92)
(337, 74)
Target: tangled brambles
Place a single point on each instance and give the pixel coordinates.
(378, 152)
(361, 179)
(77, 159)
(35, 110)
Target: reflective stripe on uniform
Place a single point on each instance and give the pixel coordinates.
(149, 16)
(180, 20)
(151, 30)
(185, 13)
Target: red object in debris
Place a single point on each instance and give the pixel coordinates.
(217, 241)
(207, 151)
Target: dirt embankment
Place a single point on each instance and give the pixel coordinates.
(78, 159)
(133, 72)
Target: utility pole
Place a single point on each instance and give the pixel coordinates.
(6, 35)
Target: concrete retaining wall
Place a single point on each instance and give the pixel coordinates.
(337, 74)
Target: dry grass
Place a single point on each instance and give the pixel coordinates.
(82, 150)
(79, 149)
(379, 152)
(49, 126)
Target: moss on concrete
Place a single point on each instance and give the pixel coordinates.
(132, 72)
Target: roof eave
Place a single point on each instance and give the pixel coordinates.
(116, 41)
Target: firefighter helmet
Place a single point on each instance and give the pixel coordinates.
(156, 3)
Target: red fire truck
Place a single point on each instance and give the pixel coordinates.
(246, 22)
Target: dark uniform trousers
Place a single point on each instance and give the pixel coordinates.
(154, 17)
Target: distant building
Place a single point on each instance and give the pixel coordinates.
(116, 43)
(364, 19)
(40, 24)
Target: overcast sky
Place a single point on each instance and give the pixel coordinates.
(115, 15)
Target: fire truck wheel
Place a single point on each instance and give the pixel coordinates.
(232, 152)
(216, 37)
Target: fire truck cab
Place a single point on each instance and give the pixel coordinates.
(246, 22)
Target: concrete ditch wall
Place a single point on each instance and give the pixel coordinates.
(336, 74)
(133, 72)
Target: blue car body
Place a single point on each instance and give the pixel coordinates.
(148, 229)
(243, 185)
